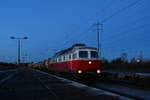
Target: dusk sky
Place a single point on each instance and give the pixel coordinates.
(52, 25)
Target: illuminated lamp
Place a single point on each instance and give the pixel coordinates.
(79, 71)
(98, 71)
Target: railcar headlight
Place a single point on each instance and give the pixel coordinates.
(98, 71)
(90, 62)
(79, 71)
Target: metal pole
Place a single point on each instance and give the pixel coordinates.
(98, 28)
(98, 44)
(19, 51)
(98, 40)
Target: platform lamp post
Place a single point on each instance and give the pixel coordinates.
(19, 51)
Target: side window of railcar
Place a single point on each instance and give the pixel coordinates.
(70, 57)
(55, 60)
(59, 59)
(83, 54)
(94, 54)
(64, 58)
(74, 56)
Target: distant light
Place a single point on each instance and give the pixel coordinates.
(98, 71)
(79, 71)
(137, 60)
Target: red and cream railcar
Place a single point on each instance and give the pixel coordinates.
(79, 59)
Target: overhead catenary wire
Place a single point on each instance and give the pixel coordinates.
(120, 11)
(113, 39)
(104, 20)
(125, 48)
(137, 21)
(124, 39)
(117, 12)
(122, 34)
(71, 37)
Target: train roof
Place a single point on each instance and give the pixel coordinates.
(74, 47)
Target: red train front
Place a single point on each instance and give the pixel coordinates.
(79, 59)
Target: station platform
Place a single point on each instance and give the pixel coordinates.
(37, 85)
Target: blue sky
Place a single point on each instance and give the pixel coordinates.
(52, 25)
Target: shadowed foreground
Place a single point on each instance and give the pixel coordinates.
(21, 84)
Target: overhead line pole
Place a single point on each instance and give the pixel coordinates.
(99, 27)
(19, 52)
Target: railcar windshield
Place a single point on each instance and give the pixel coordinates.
(94, 54)
(83, 54)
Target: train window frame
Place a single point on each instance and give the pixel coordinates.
(70, 56)
(93, 57)
(74, 55)
(59, 59)
(83, 51)
(54, 60)
(66, 57)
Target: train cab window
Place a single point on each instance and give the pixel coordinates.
(83, 54)
(94, 54)
(74, 56)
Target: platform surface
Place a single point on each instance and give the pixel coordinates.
(25, 84)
